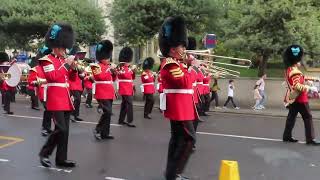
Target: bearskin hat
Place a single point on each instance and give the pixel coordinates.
(126, 54)
(148, 63)
(104, 50)
(60, 36)
(173, 32)
(292, 55)
(42, 52)
(4, 57)
(192, 43)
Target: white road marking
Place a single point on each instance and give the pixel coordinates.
(113, 178)
(202, 133)
(4, 160)
(56, 169)
(83, 122)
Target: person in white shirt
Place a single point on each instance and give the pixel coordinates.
(230, 95)
(257, 97)
(261, 85)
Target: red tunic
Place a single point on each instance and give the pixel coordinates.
(206, 84)
(147, 79)
(32, 79)
(200, 82)
(103, 85)
(40, 77)
(296, 80)
(75, 82)
(56, 72)
(159, 85)
(177, 84)
(87, 81)
(194, 76)
(125, 80)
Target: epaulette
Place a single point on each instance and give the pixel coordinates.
(294, 71)
(45, 58)
(170, 61)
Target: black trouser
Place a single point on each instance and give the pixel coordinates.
(76, 102)
(13, 95)
(103, 126)
(126, 109)
(89, 96)
(230, 99)
(2, 97)
(59, 137)
(214, 96)
(149, 103)
(304, 110)
(182, 139)
(206, 102)
(33, 98)
(7, 99)
(47, 115)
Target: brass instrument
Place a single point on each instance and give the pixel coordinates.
(212, 65)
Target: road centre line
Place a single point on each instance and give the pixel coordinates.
(201, 133)
(113, 178)
(4, 160)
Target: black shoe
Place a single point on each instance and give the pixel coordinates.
(66, 163)
(45, 162)
(108, 137)
(313, 143)
(290, 140)
(180, 177)
(131, 125)
(147, 117)
(122, 123)
(45, 132)
(88, 105)
(97, 135)
(9, 113)
(35, 108)
(76, 119)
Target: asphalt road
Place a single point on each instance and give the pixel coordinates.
(140, 153)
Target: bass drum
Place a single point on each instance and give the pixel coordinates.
(25, 68)
(15, 75)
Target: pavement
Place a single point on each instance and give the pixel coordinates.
(249, 137)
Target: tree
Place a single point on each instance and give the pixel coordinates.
(23, 22)
(266, 27)
(136, 21)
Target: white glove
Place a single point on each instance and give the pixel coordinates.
(313, 89)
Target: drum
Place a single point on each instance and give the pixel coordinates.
(24, 68)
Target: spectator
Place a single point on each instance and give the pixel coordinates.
(230, 95)
(214, 93)
(261, 85)
(257, 97)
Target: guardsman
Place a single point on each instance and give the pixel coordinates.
(147, 86)
(87, 83)
(103, 89)
(56, 69)
(125, 77)
(31, 87)
(298, 95)
(41, 84)
(6, 90)
(178, 106)
(206, 90)
(76, 76)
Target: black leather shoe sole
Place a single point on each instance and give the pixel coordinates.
(290, 140)
(67, 164)
(45, 162)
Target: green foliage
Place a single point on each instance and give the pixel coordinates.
(23, 21)
(136, 21)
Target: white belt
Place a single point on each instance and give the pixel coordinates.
(194, 84)
(144, 84)
(125, 80)
(64, 85)
(206, 84)
(178, 91)
(158, 86)
(199, 82)
(99, 82)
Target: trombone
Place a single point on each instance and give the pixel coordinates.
(212, 65)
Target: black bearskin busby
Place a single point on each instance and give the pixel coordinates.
(173, 32)
(126, 55)
(60, 36)
(4, 57)
(148, 63)
(292, 55)
(192, 43)
(104, 50)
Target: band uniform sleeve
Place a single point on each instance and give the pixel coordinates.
(296, 83)
(176, 75)
(52, 74)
